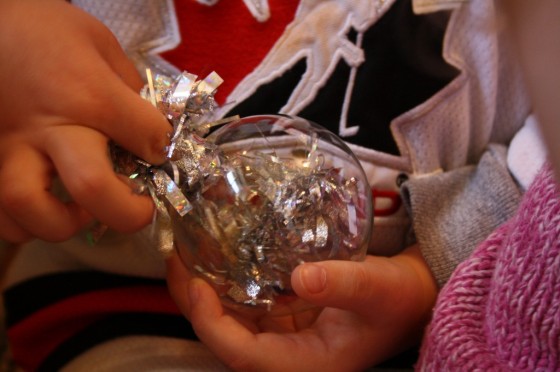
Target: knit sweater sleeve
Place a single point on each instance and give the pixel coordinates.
(499, 309)
(452, 212)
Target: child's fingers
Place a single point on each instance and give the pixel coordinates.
(115, 109)
(223, 334)
(106, 98)
(80, 157)
(243, 347)
(347, 285)
(29, 201)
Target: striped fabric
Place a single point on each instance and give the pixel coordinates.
(61, 315)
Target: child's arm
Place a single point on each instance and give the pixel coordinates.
(66, 87)
(373, 310)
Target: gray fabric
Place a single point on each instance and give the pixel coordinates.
(452, 212)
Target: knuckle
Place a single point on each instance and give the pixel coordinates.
(361, 283)
(13, 197)
(85, 184)
(84, 108)
(96, 106)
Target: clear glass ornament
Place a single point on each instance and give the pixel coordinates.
(275, 191)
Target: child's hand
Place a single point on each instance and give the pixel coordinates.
(373, 310)
(66, 87)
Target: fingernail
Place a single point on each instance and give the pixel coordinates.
(161, 149)
(313, 278)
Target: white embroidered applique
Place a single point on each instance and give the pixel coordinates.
(429, 6)
(318, 33)
(259, 9)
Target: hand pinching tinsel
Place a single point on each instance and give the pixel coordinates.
(247, 203)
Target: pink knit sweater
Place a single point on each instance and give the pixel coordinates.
(501, 308)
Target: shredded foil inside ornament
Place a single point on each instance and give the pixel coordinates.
(246, 204)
